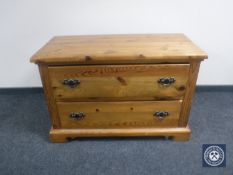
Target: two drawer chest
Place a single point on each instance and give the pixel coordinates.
(119, 85)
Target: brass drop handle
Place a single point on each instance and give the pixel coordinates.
(71, 82)
(161, 114)
(77, 115)
(166, 81)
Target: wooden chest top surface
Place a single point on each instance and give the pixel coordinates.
(136, 48)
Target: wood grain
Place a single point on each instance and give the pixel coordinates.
(109, 49)
(119, 114)
(119, 82)
(61, 135)
(52, 107)
(187, 102)
(119, 90)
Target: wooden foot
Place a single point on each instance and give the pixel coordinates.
(57, 138)
(185, 136)
(181, 137)
(62, 135)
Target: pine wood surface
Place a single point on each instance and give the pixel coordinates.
(119, 90)
(119, 114)
(107, 49)
(62, 135)
(48, 91)
(191, 85)
(119, 82)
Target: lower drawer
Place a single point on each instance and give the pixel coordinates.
(140, 114)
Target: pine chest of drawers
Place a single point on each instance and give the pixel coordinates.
(119, 85)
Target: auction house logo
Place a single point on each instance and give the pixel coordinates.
(214, 155)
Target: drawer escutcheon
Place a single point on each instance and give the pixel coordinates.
(166, 81)
(71, 82)
(161, 114)
(77, 115)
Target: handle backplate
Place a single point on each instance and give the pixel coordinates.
(161, 114)
(166, 81)
(71, 82)
(77, 115)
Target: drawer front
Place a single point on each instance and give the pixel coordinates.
(119, 114)
(119, 82)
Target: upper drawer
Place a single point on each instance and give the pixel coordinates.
(119, 82)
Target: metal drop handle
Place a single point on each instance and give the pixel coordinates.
(161, 114)
(71, 82)
(166, 81)
(77, 115)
